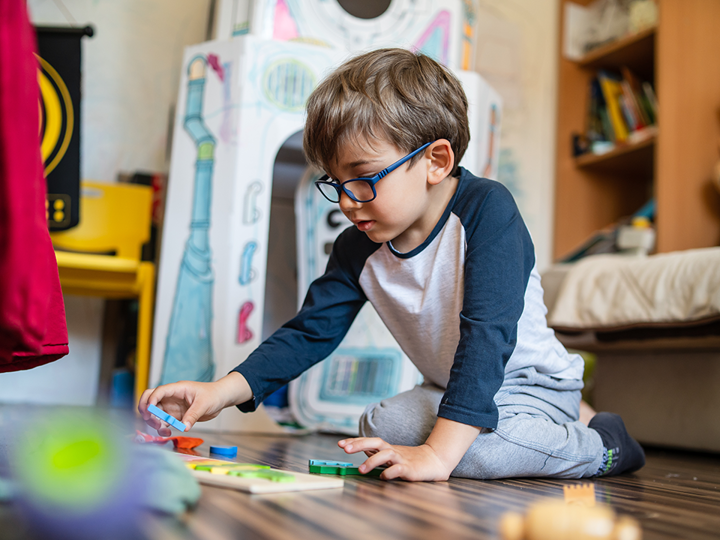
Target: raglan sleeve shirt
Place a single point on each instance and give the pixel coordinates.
(330, 307)
(498, 262)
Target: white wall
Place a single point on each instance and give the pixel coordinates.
(516, 51)
(131, 72)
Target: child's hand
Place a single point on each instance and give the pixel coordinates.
(414, 463)
(191, 401)
(188, 401)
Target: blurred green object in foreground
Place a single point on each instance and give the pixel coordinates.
(66, 464)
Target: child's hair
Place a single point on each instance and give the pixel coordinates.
(394, 95)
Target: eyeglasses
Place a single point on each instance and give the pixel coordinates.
(361, 190)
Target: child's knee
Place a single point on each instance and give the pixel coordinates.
(391, 421)
(377, 421)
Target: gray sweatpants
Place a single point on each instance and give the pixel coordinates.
(538, 432)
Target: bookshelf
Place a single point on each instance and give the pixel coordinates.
(632, 157)
(674, 162)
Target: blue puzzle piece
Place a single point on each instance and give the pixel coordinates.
(165, 417)
(229, 451)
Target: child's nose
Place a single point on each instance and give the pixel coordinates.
(348, 203)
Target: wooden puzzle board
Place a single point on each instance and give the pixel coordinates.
(303, 482)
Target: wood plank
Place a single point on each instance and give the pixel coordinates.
(633, 157)
(636, 51)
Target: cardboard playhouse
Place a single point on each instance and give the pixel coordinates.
(240, 108)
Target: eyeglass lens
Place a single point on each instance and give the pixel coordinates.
(360, 189)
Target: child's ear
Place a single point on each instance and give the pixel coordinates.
(441, 162)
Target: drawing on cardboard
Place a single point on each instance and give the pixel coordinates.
(435, 40)
(243, 332)
(287, 84)
(246, 271)
(284, 28)
(442, 29)
(233, 18)
(251, 212)
(468, 34)
(188, 353)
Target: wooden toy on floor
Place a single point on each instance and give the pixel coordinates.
(254, 478)
(582, 494)
(557, 520)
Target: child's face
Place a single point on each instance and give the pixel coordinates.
(403, 211)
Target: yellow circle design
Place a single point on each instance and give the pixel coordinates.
(53, 115)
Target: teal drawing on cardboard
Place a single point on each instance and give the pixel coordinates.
(189, 353)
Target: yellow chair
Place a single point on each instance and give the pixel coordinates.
(101, 256)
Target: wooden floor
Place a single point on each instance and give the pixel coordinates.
(676, 495)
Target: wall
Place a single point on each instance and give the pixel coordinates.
(516, 51)
(131, 72)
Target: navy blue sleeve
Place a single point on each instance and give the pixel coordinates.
(499, 259)
(331, 305)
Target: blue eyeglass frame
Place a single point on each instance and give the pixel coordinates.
(340, 187)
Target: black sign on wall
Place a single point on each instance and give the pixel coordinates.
(59, 78)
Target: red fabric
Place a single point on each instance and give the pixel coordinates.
(33, 330)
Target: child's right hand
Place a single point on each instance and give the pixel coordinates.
(191, 401)
(188, 401)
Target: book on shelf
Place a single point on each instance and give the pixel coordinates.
(612, 92)
(621, 110)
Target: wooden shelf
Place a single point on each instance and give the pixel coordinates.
(634, 158)
(673, 166)
(635, 51)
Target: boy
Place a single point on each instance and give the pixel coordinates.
(447, 262)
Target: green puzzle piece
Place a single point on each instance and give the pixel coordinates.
(273, 476)
(341, 469)
(231, 466)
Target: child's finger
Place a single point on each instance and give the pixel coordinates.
(394, 471)
(142, 404)
(363, 444)
(192, 415)
(154, 423)
(388, 455)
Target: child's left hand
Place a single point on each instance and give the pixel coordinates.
(414, 463)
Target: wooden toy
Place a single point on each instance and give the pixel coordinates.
(557, 520)
(583, 494)
(254, 478)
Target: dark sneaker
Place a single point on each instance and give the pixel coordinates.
(625, 455)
